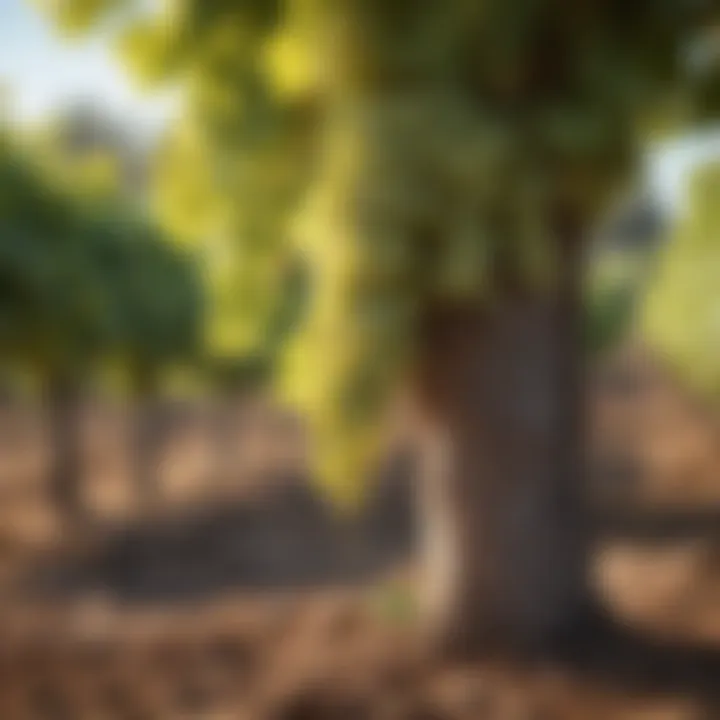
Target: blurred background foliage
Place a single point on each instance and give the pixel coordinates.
(350, 194)
(681, 316)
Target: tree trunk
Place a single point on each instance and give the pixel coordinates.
(501, 489)
(63, 405)
(148, 432)
(225, 436)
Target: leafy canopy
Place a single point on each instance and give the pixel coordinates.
(83, 277)
(426, 138)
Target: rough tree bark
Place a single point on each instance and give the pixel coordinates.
(501, 493)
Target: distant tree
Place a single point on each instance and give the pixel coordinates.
(156, 313)
(620, 263)
(165, 330)
(53, 309)
(235, 373)
(681, 315)
(87, 143)
(85, 278)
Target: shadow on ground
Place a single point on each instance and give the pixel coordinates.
(283, 537)
(606, 655)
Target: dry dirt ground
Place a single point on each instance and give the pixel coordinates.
(247, 598)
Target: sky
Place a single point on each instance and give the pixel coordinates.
(668, 168)
(45, 73)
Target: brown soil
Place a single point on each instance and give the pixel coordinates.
(250, 599)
